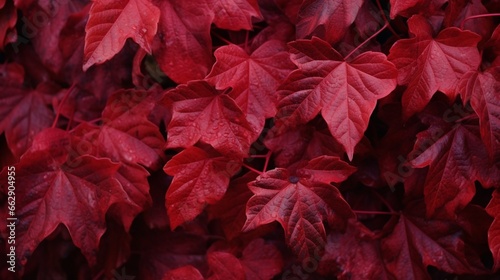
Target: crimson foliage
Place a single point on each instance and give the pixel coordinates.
(251, 139)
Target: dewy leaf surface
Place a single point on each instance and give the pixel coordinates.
(345, 92)
(299, 205)
(202, 113)
(112, 22)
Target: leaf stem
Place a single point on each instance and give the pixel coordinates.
(222, 38)
(477, 16)
(384, 201)
(59, 107)
(252, 169)
(387, 20)
(362, 212)
(365, 41)
(268, 157)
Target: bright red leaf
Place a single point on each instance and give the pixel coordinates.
(201, 112)
(112, 22)
(254, 78)
(426, 64)
(299, 205)
(235, 14)
(345, 92)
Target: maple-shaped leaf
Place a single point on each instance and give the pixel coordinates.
(326, 169)
(235, 14)
(23, 113)
(200, 112)
(112, 22)
(482, 89)
(126, 133)
(353, 255)
(56, 191)
(328, 20)
(426, 64)
(345, 92)
(183, 46)
(417, 243)
(493, 210)
(201, 177)
(299, 205)
(253, 77)
(456, 158)
(187, 272)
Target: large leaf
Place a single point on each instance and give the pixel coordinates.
(299, 205)
(345, 92)
(426, 64)
(53, 190)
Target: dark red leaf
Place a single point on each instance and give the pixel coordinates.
(299, 205)
(426, 64)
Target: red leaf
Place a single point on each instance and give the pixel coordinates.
(353, 255)
(258, 261)
(230, 210)
(449, 185)
(417, 243)
(482, 90)
(57, 191)
(183, 47)
(299, 205)
(327, 169)
(23, 114)
(201, 177)
(345, 92)
(202, 113)
(112, 22)
(8, 19)
(427, 65)
(261, 261)
(225, 266)
(328, 20)
(235, 14)
(254, 78)
(187, 272)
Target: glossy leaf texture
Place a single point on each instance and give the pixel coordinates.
(300, 205)
(345, 92)
(250, 139)
(111, 23)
